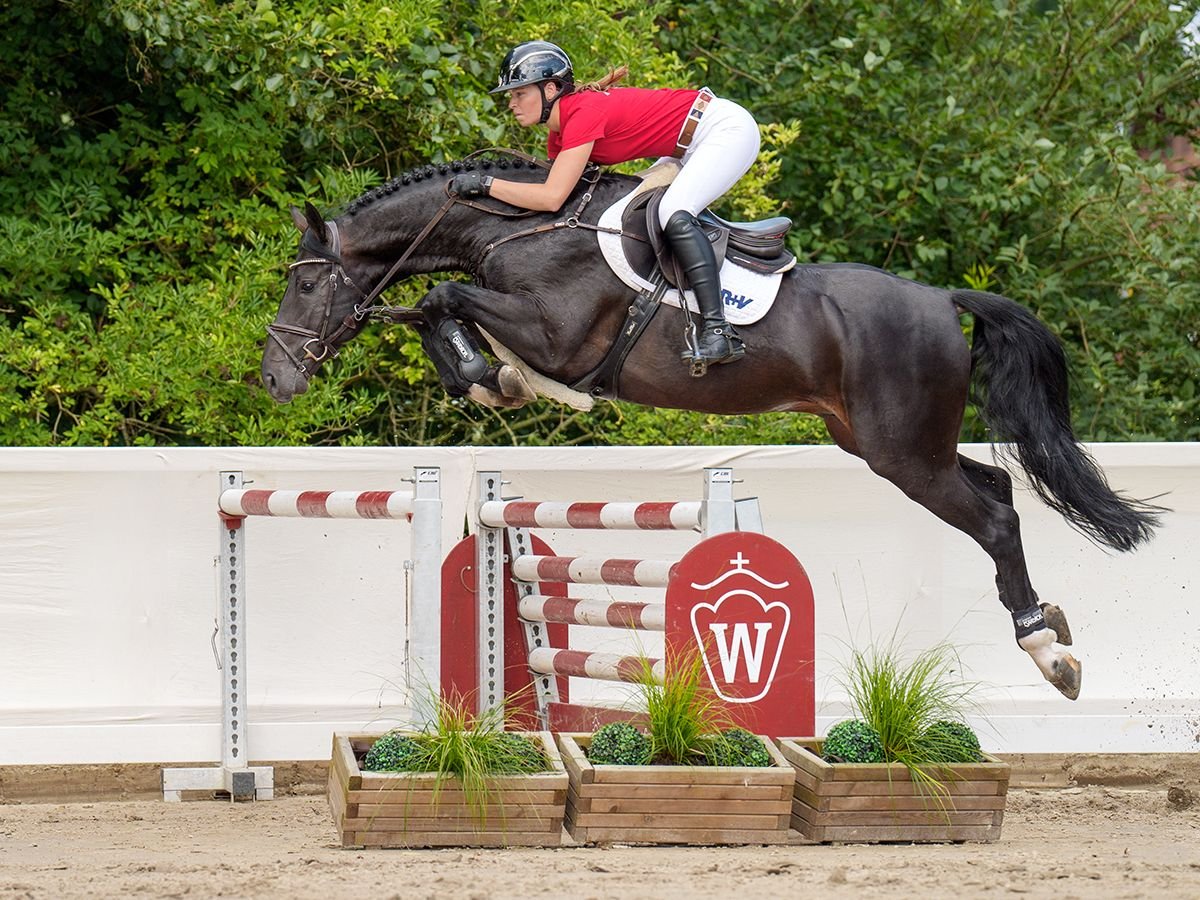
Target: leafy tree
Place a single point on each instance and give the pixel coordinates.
(996, 145)
(148, 152)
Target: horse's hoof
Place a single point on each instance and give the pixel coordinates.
(514, 385)
(487, 397)
(1068, 675)
(1057, 619)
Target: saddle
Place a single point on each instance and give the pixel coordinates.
(757, 246)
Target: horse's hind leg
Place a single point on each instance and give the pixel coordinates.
(918, 454)
(993, 483)
(996, 483)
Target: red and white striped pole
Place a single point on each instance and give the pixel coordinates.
(318, 504)
(681, 516)
(594, 570)
(603, 613)
(602, 666)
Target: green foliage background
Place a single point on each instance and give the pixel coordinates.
(148, 152)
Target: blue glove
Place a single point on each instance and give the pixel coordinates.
(471, 184)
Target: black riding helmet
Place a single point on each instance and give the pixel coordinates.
(536, 62)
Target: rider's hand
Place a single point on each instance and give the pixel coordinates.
(471, 184)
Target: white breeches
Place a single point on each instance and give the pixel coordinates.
(723, 149)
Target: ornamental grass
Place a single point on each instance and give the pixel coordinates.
(918, 708)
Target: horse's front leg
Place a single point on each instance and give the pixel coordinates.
(456, 354)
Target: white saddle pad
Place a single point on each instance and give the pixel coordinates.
(748, 295)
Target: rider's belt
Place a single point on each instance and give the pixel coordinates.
(695, 114)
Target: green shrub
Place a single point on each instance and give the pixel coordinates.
(462, 746)
(520, 754)
(472, 746)
(915, 707)
(951, 742)
(737, 747)
(853, 741)
(395, 753)
(687, 724)
(619, 744)
(148, 150)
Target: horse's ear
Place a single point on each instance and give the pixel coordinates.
(298, 219)
(316, 222)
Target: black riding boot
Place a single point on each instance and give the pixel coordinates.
(718, 341)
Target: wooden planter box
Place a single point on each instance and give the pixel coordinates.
(401, 809)
(676, 804)
(865, 803)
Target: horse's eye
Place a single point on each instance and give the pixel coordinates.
(307, 286)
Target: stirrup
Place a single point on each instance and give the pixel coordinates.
(699, 363)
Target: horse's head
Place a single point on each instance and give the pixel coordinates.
(318, 312)
(413, 224)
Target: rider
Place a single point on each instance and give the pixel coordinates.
(715, 140)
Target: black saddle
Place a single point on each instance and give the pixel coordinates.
(757, 246)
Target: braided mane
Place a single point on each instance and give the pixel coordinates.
(435, 170)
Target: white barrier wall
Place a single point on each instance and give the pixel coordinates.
(108, 602)
(108, 592)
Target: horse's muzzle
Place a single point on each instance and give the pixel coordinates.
(283, 382)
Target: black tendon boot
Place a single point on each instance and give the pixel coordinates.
(457, 358)
(717, 341)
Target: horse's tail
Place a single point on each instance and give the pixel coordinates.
(1019, 375)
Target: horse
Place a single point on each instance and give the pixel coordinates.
(883, 360)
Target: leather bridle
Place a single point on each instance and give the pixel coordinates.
(318, 338)
(321, 345)
(327, 344)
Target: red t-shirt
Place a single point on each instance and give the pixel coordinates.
(625, 123)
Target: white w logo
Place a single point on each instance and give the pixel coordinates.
(739, 648)
(730, 655)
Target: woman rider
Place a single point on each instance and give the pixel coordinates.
(716, 141)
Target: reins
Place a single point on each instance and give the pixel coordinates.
(327, 344)
(591, 177)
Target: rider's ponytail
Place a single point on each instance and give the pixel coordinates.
(607, 81)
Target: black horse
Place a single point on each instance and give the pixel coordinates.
(882, 360)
